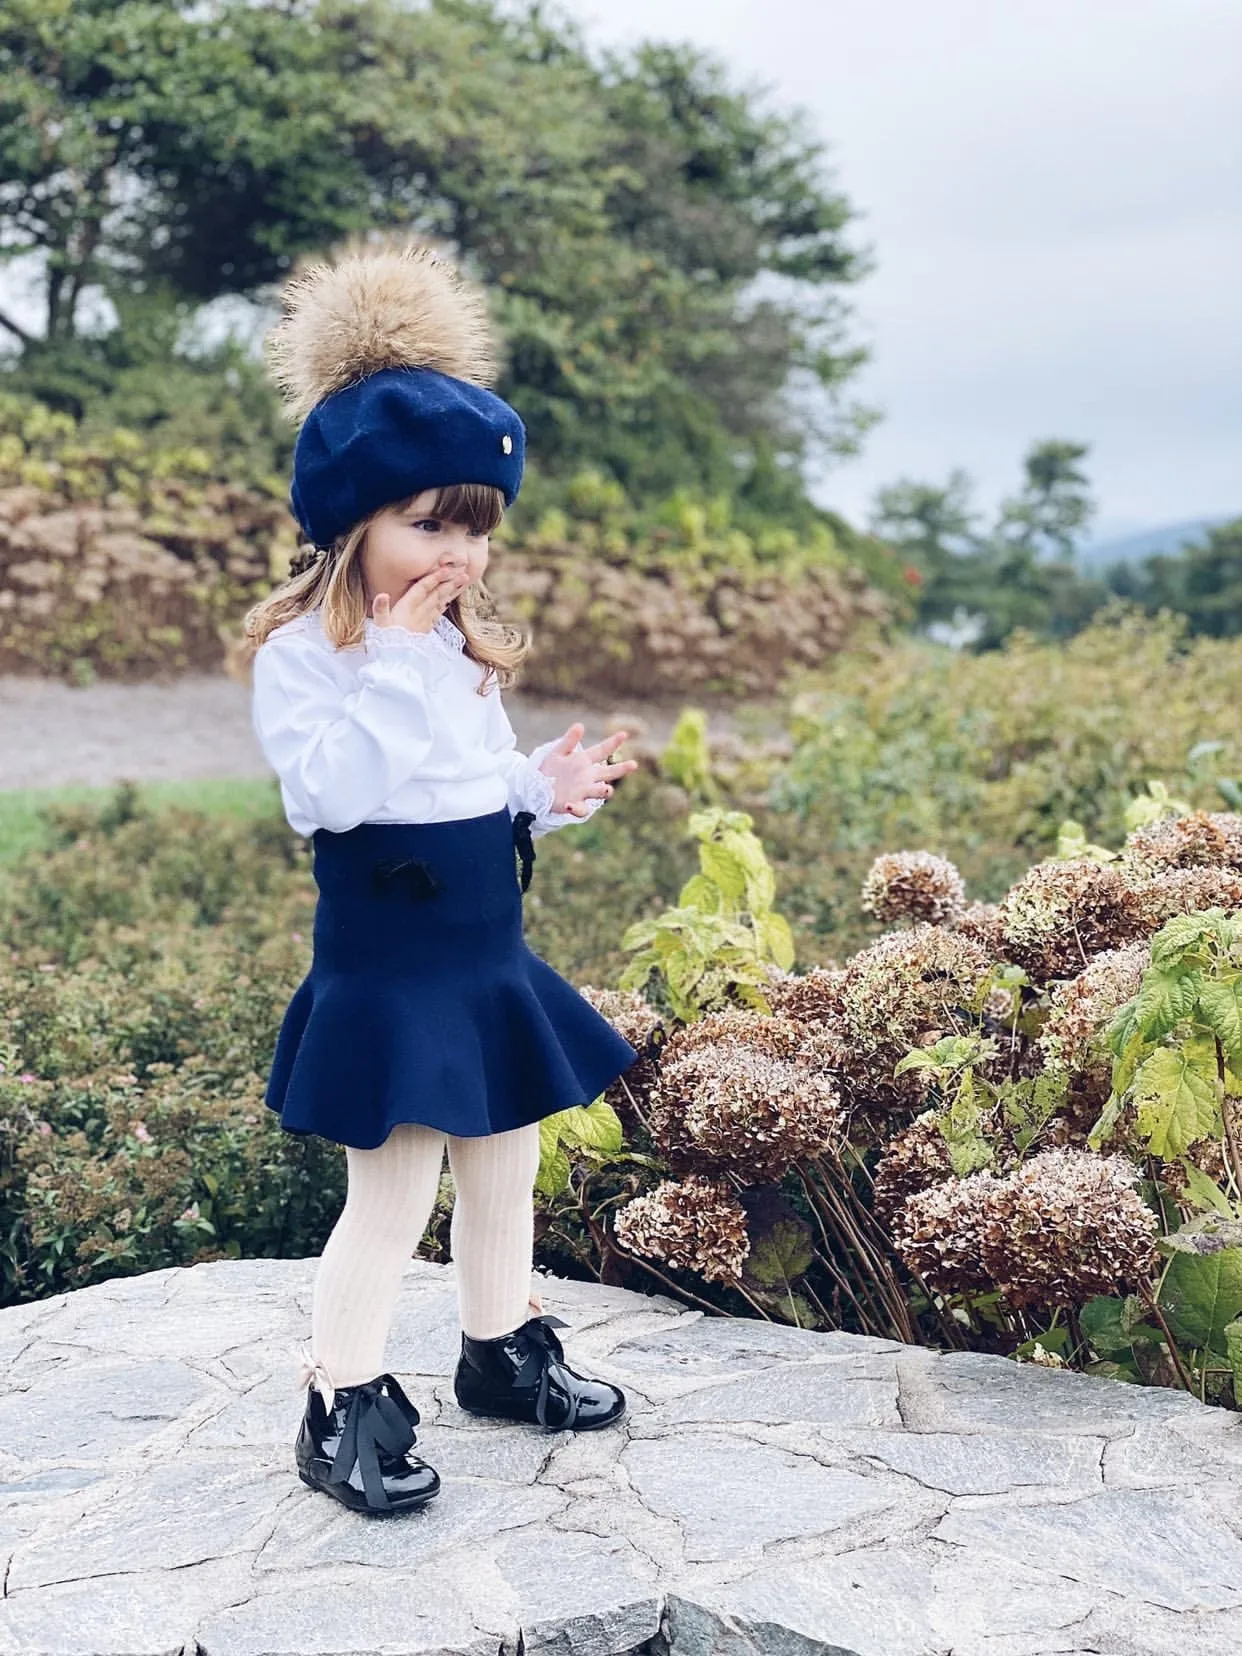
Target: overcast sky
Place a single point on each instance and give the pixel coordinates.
(1053, 190)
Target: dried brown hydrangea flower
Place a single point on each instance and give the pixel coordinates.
(627, 1010)
(692, 1224)
(780, 1035)
(1059, 1229)
(938, 1232)
(1204, 839)
(813, 997)
(1061, 914)
(913, 1160)
(905, 990)
(1067, 1225)
(1082, 1006)
(913, 885)
(1151, 901)
(984, 923)
(749, 1094)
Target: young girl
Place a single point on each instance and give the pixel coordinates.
(425, 1018)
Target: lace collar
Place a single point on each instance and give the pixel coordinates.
(442, 628)
(450, 632)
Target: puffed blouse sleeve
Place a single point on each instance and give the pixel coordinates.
(340, 756)
(530, 789)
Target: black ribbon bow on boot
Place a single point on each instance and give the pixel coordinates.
(525, 845)
(539, 1331)
(374, 1422)
(410, 874)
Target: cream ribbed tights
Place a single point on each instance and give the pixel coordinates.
(392, 1190)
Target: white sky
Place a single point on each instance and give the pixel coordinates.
(1053, 191)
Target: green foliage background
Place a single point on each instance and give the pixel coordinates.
(618, 209)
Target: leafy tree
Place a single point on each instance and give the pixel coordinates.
(621, 211)
(1054, 506)
(934, 529)
(1203, 582)
(1020, 573)
(143, 140)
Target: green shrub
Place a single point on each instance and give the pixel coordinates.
(149, 955)
(919, 744)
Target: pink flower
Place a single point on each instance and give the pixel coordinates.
(26, 1075)
(297, 937)
(141, 1131)
(45, 1129)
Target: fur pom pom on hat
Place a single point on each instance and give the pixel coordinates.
(403, 307)
(385, 356)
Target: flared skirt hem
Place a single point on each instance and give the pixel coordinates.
(358, 1054)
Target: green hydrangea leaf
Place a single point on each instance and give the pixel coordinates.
(701, 893)
(1176, 1102)
(1220, 1007)
(1233, 1350)
(780, 1255)
(1164, 999)
(1201, 1295)
(1185, 934)
(596, 1125)
(721, 865)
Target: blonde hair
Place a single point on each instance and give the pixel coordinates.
(334, 585)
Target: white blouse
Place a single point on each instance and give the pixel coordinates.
(392, 730)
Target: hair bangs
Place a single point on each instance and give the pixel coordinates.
(480, 506)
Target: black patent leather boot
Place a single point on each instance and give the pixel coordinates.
(358, 1449)
(523, 1376)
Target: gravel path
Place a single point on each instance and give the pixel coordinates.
(53, 735)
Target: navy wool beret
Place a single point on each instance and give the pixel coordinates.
(394, 434)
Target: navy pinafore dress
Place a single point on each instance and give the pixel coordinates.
(423, 1002)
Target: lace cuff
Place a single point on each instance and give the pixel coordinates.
(536, 790)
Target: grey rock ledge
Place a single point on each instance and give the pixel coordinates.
(773, 1490)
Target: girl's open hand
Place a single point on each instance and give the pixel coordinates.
(584, 775)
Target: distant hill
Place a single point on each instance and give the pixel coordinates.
(1170, 538)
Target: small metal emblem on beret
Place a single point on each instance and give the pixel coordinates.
(506, 444)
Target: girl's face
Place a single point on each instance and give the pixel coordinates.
(402, 545)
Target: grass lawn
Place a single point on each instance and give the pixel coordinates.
(22, 828)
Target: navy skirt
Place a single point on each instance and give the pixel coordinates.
(424, 1002)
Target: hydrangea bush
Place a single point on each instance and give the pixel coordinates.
(1016, 1126)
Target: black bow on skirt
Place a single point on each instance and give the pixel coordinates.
(524, 843)
(410, 875)
(419, 881)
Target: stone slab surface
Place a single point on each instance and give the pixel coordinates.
(773, 1490)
